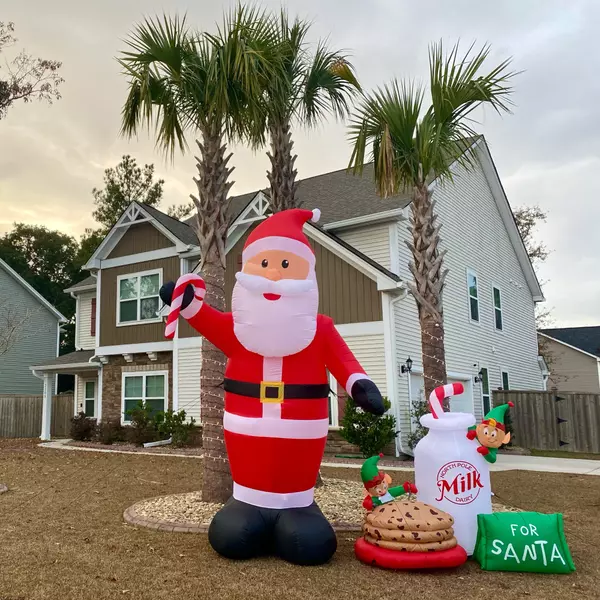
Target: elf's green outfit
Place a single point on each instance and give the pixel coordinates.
(495, 418)
(372, 476)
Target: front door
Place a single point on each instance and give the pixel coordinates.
(89, 398)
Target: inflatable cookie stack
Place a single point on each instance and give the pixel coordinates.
(403, 534)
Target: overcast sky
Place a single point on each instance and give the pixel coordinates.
(547, 152)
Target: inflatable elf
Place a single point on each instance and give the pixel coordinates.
(491, 432)
(377, 486)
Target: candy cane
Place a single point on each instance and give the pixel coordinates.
(444, 391)
(199, 290)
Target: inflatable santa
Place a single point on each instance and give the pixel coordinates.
(276, 392)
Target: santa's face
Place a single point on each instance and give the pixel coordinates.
(275, 301)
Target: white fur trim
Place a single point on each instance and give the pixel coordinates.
(273, 499)
(287, 429)
(353, 379)
(316, 215)
(276, 242)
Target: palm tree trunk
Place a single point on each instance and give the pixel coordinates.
(282, 176)
(211, 227)
(429, 274)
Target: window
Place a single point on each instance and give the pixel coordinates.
(138, 299)
(485, 391)
(473, 296)
(505, 382)
(147, 388)
(89, 398)
(497, 308)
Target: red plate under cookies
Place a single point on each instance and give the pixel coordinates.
(395, 559)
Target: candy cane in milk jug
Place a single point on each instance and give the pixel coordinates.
(449, 472)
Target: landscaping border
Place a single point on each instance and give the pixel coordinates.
(133, 518)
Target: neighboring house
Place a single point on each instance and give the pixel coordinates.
(29, 333)
(574, 356)
(362, 269)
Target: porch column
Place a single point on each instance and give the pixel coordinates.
(46, 407)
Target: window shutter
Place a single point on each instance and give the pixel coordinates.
(93, 319)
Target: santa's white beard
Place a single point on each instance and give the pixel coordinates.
(274, 327)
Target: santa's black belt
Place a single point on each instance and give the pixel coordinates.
(277, 391)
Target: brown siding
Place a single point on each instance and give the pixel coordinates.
(110, 334)
(140, 238)
(345, 294)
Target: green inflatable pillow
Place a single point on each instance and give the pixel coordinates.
(526, 541)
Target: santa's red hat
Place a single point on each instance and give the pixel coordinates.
(283, 231)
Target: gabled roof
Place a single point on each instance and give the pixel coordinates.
(79, 359)
(32, 291)
(183, 230)
(586, 339)
(89, 283)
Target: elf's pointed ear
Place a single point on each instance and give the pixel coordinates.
(506, 438)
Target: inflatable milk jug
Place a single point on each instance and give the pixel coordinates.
(451, 474)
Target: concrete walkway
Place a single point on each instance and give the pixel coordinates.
(506, 462)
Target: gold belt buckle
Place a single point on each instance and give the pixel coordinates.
(278, 385)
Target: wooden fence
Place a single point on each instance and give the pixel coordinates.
(21, 416)
(554, 421)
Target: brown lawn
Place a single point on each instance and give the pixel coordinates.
(62, 537)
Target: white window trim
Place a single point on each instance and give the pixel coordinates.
(139, 274)
(95, 397)
(503, 370)
(501, 309)
(474, 273)
(489, 392)
(143, 374)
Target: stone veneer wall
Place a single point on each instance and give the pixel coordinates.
(112, 376)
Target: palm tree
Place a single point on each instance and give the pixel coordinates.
(410, 148)
(303, 88)
(182, 81)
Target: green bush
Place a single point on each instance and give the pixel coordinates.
(142, 429)
(174, 425)
(371, 433)
(418, 409)
(109, 432)
(83, 429)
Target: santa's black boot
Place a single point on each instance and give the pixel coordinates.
(303, 536)
(240, 531)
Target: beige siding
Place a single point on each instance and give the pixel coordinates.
(140, 238)
(370, 353)
(570, 370)
(85, 339)
(190, 361)
(110, 334)
(372, 240)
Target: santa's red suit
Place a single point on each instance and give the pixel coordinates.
(276, 389)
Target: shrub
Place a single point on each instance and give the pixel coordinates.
(110, 432)
(83, 428)
(142, 429)
(173, 424)
(419, 408)
(369, 432)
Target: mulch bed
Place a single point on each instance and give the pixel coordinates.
(62, 535)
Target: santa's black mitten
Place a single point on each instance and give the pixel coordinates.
(166, 294)
(366, 395)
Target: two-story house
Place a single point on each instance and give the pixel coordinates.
(362, 269)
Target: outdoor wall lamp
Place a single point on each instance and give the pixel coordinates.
(407, 366)
(479, 377)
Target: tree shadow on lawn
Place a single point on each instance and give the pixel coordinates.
(62, 536)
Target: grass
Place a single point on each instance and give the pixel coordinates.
(564, 454)
(62, 536)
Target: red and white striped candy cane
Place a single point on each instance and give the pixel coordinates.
(199, 290)
(444, 391)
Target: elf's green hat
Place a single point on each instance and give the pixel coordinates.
(496, 416)
(370, 473)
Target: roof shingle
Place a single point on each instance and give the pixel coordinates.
(584, 338)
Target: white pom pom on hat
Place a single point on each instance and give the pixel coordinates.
(316, 215)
